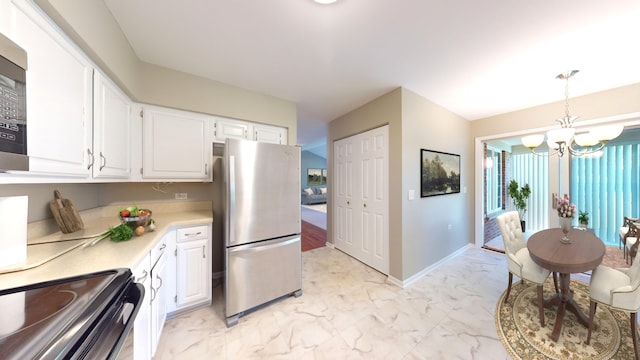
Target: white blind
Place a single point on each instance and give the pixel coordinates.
(608, 188)
(533, 170)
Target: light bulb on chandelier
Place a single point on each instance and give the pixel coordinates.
(565, 138)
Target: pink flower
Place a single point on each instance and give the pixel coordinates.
(565, 208)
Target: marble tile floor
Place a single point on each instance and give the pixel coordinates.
(348, 311)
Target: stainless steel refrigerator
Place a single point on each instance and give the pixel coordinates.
(262, 225)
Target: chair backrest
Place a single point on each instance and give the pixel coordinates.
(634, 272)
(511, 231)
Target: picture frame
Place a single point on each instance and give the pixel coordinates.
(439, 173)
(315, 177)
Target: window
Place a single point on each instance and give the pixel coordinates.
(528, 168)
(493, 182)
(608, 186)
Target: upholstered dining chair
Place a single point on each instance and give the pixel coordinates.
(629, 237)
(519, 261)
(618, 289)
(623, 231)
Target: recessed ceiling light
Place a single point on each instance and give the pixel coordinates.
(325, 2)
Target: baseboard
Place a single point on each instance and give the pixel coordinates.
(405, 283)
(330, 245)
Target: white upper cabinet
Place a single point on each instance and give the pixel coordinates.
(111, 151)
(238, 129)
(232, 129)
(176, 145)
(59, 96)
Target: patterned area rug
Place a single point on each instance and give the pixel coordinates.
(519, 327)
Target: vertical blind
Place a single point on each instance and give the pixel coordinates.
(528, 168)
(608, 188)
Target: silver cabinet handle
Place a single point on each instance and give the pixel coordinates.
(103, 161)
(143, 278)
(162, 247)
(365, 205)
(196, 234)
(92, 159)
(206, 170)
(203, 255)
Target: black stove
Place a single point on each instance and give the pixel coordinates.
(82, 317)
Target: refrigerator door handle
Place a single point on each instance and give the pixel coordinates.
(259, 247)
(232, 199)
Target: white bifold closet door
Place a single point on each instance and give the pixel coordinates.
(360, 192)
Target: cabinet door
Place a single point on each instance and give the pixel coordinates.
(59, 86)
(192, 280)
(176, 145)
(227, 128)
(159, 274)
(141, 341)
(270, 134)
(111, 123)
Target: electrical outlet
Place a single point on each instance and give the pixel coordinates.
(181, 196)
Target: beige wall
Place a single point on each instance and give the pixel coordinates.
(418, 233)
(381, 111)
(426, 236)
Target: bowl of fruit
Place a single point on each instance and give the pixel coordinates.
(135, 217)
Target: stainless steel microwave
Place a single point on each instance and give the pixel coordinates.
(13, 106)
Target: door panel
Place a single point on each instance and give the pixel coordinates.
(361, 197)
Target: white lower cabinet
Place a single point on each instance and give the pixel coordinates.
(158, 300)
(193, 267)
(141, 332)
(176, 275)
(161, 276)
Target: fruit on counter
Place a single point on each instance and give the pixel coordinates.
(139, 230)
(133, 211)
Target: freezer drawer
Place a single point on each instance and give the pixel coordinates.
(261, 272)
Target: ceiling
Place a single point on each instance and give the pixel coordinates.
(475, 58)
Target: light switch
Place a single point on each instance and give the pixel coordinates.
(412, 194)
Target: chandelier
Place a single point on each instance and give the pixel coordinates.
(565, 138)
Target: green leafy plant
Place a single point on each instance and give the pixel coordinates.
(519, 196)
(583, 217)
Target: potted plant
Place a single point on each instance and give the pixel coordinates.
(520, 196)
(583, 218)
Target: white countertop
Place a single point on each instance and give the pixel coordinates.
(106, 254)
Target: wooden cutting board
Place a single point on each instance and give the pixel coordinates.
(65, 214)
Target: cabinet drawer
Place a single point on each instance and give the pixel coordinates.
(193, 233)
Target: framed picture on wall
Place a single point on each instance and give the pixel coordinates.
(314, 177)
(439, 173)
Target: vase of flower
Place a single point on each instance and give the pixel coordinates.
(565, 225)
(566, 212)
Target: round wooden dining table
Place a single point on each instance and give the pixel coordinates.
(583, 253)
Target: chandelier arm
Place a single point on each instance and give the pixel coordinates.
(589, 150)
(533, 150)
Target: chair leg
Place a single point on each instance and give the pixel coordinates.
(592, 313)
(634, 333)
(508, 287)
(555, 282)
(540, 308)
